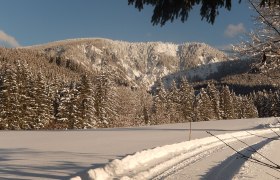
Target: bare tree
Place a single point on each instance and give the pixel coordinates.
(265, 39)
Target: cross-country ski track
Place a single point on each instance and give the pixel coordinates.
(152, 152)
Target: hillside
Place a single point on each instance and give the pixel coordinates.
(136, 63)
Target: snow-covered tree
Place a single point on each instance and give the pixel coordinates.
(238, 106)
(160, 104)
(226, 103)
(65, 109)
(105, 97)
(145, 107)
(265, 39)
(73, 118)
(26, 98)
(249, 109)
(43, 103)
(129, 108)
(204, 106)
(86, 109)
(173, 104)
(275, 104)
(186, 99)
(215, 100)
(9, 106)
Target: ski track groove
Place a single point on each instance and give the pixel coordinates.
(162, 162)
(185, 159)
(188, 162)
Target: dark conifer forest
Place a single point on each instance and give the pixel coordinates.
(41, 92)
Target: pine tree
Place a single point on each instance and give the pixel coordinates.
(215, 99)
(259, 101)
(186, 98)
(63, 109)
(173, 103)
(9, 107)
(43, 103)
(25, 94)
(226, 100)
(54, 97)
(160, 103)
(74, 121)
(129, 108)
(238, 106)
(249, 109)
(275, 104)
(86, 109)
(267, 104)
(204, 106)
(146, 102)
(105, 98)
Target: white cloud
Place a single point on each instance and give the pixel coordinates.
(7, 39)
(234, 30)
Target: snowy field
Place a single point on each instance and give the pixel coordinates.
(65, 154)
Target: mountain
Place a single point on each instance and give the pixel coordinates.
(136, 63)
(213, 71)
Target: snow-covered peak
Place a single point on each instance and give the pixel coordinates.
(139, 62)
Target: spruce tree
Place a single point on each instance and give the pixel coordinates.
(204, 106)
(186, 99)
(238, 106)
(259, 101)
(226, 100)
(25, 92)
(265, 104)
(74, 121)
(43, 104)
(63, 109)
(9, 110)
(215, 99)
(275, 104)
(160, 103)
(146, 102)
(105, 98)
(86, 109)
(173, 103)
(250, 111)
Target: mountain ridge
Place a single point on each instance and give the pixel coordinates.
(137, 62)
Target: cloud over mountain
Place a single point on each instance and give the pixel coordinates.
(8, 39)
(233, 30)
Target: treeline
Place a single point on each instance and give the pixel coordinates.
(30, 101)
(182, 104)
(267, 103)
(36, 92)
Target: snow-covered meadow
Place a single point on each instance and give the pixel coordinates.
(65, 154)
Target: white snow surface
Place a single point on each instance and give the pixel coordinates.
(111, 152)
(150, 163)
(259, 172)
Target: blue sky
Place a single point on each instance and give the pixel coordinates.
(29, 22)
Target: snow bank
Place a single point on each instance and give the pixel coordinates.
(150, 163)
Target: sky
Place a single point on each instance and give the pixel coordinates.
(30, 22)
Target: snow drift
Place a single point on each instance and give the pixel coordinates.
(150, 163)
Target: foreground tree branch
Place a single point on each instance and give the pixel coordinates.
(169, 10)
